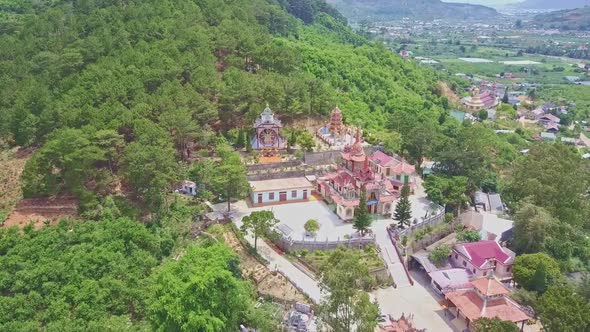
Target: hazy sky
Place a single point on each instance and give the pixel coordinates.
(486, 2)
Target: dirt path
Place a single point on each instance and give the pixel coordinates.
(268, 283)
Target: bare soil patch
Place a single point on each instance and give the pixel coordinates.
(446, 91)
(12, 164)
(268, 283)
(42, 211)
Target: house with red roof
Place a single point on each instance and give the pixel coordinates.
(483, 258)
(485, 297)
(343, 187)
(394, 168)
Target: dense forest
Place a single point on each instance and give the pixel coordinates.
(113, 97)
(116, 97)
(91, 82)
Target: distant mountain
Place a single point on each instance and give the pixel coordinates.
(569, 19)
(552, 4)
(418, 9)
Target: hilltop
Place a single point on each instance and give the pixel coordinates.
(551, 4)
(416, 9)
(569, 19)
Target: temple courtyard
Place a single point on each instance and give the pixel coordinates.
(332, 228)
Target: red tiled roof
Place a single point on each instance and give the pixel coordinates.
(399, 165)
(472, 306)
(490, 287)
(479, 252)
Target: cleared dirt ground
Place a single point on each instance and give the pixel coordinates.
(267, 282)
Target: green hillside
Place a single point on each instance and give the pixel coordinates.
(416, 9)
(94, 70)
(569, 19)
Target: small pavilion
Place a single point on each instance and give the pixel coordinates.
(485, 297)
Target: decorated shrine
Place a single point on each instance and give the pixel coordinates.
(268, 139)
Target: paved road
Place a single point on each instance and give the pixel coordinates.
(394, 265)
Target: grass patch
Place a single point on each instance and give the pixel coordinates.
(369, 257)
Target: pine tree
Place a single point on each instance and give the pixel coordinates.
(241, 141)
(362, 218)
(403, 210)
(505, 99)
(539, 281)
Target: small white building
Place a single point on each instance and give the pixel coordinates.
(280, 190)
(188, 188)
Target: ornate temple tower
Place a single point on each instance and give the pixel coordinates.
(336, 126)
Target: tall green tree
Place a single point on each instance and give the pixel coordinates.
(447, 191)
(532, 226)
(229, 177)
(347, 308)
(306, 141)
(182, 127)
(362, 217)
(403, 209)
(540, 176)
(150, 170)
(258, 223)
(562, 310)
(202, 291)
(536, 271)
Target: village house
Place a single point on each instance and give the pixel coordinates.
(489, 225)
(548, 120)
(483, 258)
(187, 188)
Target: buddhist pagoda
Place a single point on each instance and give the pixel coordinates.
(334, 133)
(355, 174)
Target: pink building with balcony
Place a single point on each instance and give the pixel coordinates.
(484, 257)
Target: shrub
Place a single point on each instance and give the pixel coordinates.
(440, 254)
(312, 226)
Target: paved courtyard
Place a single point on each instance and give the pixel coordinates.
(295, 215)
(332, 228)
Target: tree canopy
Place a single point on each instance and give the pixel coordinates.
(347, 306)
(202, 291)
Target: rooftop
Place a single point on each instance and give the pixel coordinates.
(451, 278)
(473, 306)
(489, 287)
(280, 184)
(481, 251)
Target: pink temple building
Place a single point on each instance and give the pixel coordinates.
(480, 100)
(380, 175)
